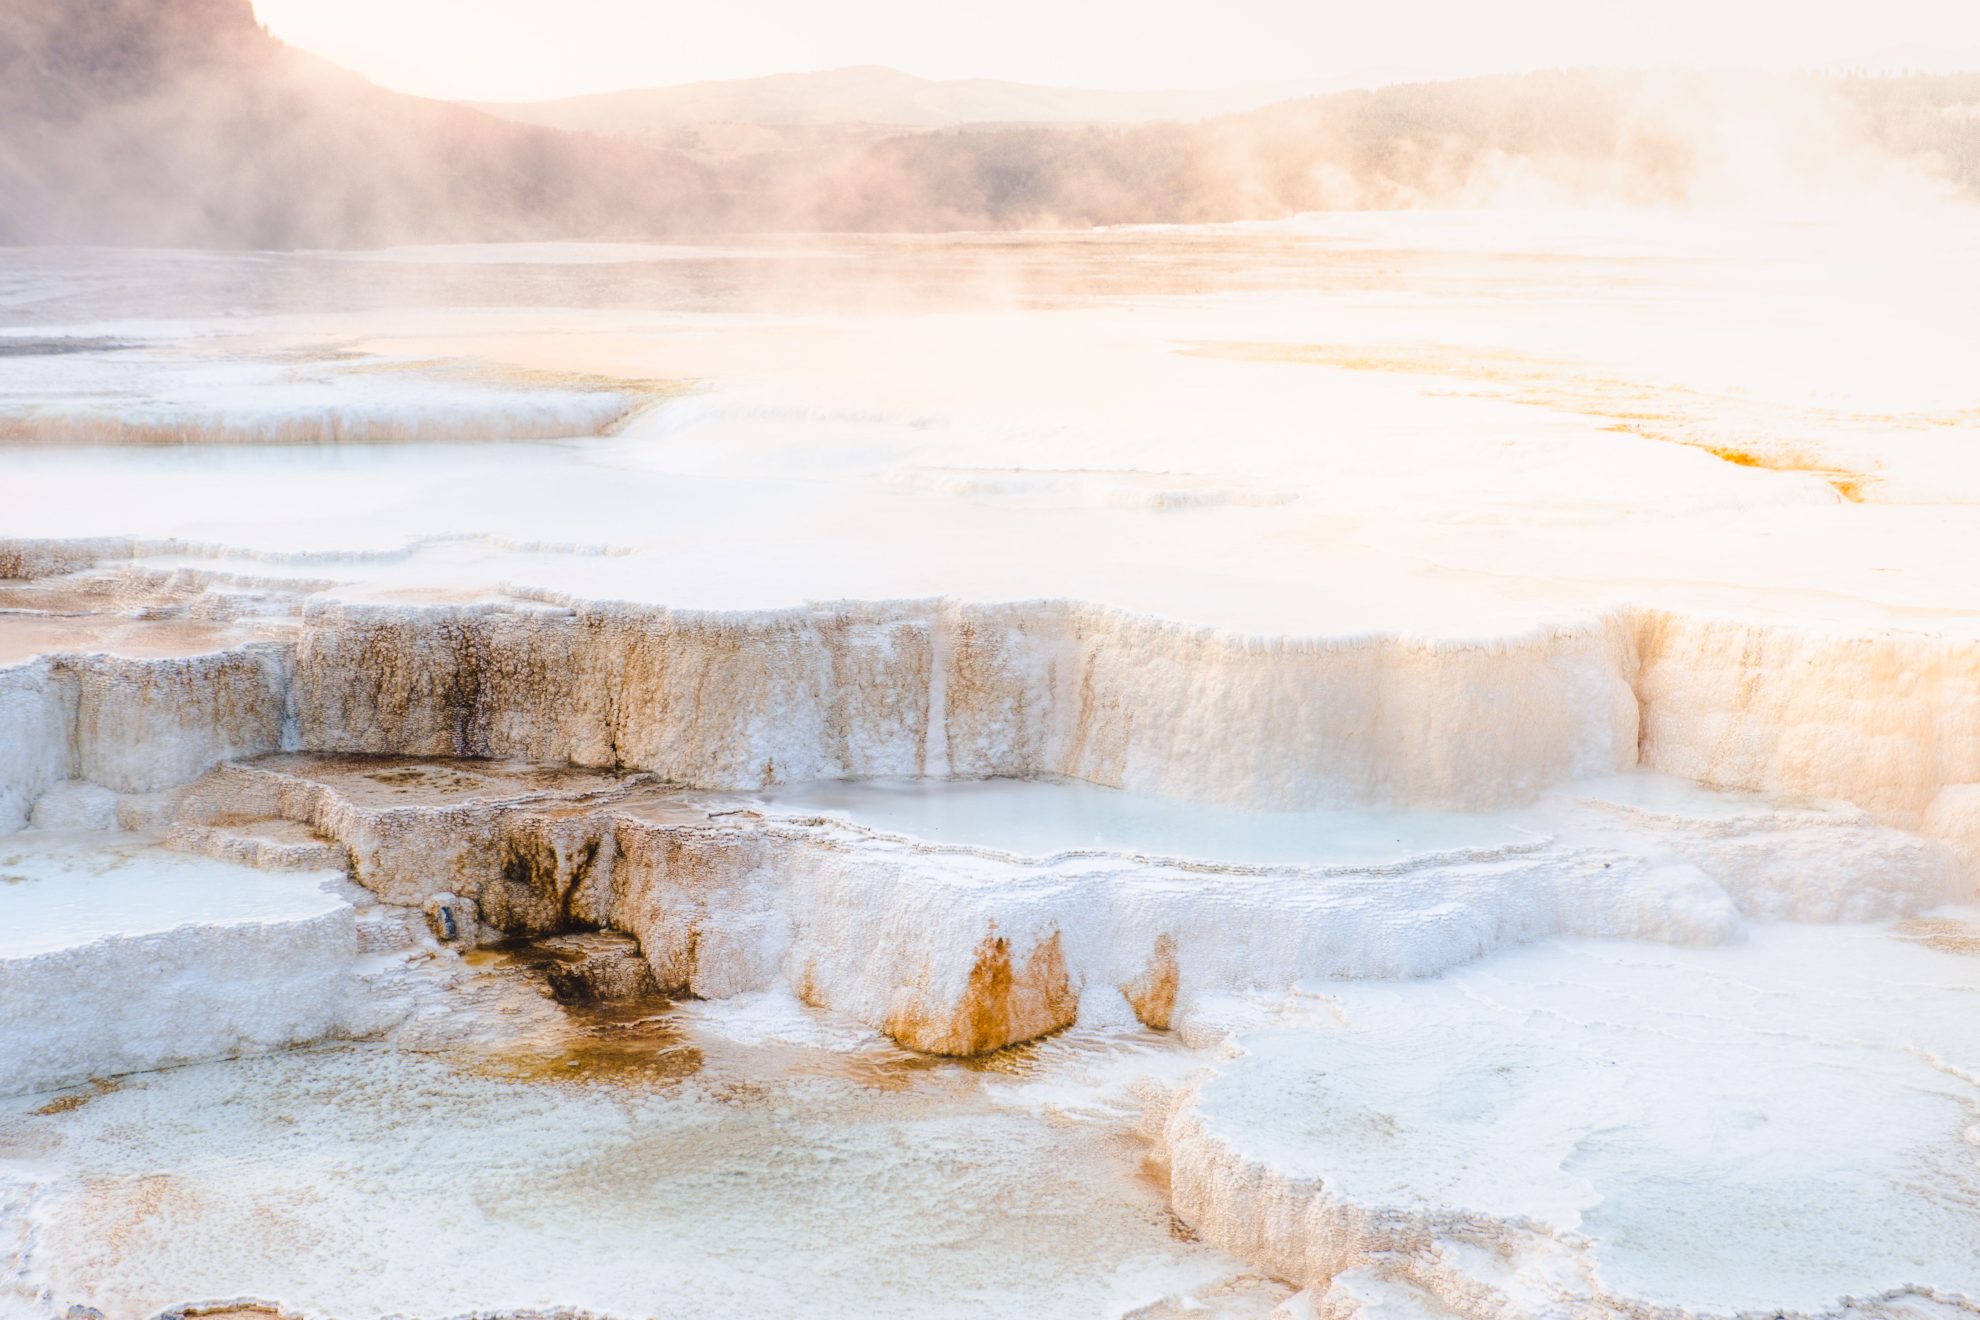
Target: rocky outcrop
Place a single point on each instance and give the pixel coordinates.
(548, 762)
(741, 701)
(959, 949)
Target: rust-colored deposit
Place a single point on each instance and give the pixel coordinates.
(1152, 994)
(611, 1026)
(633, 1053)
(1004, 1002)
(63, 1104)
(1945, 934)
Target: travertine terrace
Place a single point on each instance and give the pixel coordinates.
(1344, 768)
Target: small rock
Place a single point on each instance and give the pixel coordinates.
(455, 922)
(598, 967)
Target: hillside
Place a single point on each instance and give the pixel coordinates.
(181, 122)
(867, 97)
(1553, 138)
(1563, 137)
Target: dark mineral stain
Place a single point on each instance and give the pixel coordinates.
(634, 1041)
(15, 347)
(63, 1104)
(638, 1053)
(442, 778)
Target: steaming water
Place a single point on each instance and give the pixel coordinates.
(1429, 424)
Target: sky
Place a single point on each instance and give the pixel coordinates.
(533, 49)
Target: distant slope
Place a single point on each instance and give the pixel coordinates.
(1566, 137)
(181, 122)
(793, 157)
(1935, 116)
(866, 95)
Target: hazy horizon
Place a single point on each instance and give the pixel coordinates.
(521, 50)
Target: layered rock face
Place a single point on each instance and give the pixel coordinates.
(1890, 723)
(631, 785)
(859, 691)
(136, 725)
(561, 768)
(955, 948)
(163, 959)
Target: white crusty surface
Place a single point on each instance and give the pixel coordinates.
(118, 956)
(1782, 1125)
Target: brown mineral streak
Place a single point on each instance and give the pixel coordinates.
(615, 1029)
(62, 1104)
(1024, 691)
(1152, 995)
(1000, 1005)
(1945, 934)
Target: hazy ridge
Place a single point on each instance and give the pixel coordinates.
(868, 95)
(183, 123)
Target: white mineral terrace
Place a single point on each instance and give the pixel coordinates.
(118, 955)
(1380, 767)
